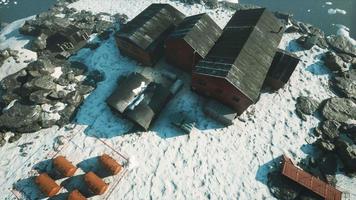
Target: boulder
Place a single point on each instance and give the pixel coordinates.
(20, 118)
(325, 145)
(306, 106)
(345, 84)
(84, 89)
(329, 129)
(78, 68)
(67, 114)
(14, 138)
(40, 43)
(40, 96)
(339, 109)
(347, 153)
(281, 187)
(94, 77)
(74, 98)
(40, 67)
(350, 130)
(342, 44)
(334, 62)
(44, 83)
(12, 81)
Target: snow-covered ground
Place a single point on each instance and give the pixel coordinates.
(212, 162)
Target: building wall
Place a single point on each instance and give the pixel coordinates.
(129, 49)
(178, 53)
(221, 90)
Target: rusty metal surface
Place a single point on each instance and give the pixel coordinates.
(308, 181)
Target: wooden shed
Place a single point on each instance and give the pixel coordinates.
(308, 181)
(70, 39)
(191, 41)
(143, 37)
(234, 70)
(282, 68)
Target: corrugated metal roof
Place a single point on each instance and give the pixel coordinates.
(248, 44)
(146, 28)
(199, 31)
(308, 181)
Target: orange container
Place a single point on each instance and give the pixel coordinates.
(110, 164)
(96, 184)
(64, 166)
(47, 185)
(76, 195)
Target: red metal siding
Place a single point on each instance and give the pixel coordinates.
(310, 182)
(180, 54)
(222, 90)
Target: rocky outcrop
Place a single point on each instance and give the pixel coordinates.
(347, 153)
(306, 106)
(281, 187)
(334, 62)
(341, 44)
(345, 84)
(329, 129)
(339, 109)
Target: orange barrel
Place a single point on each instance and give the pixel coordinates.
(110, 164)
(76, 195)
(47, 185)
(64, 166)
(96, 184)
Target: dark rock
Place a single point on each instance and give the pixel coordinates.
(2, 139)
(40, 67)
(292, 29)
(40, 96)
(334, 62)
(14, 138)
(57, 95)
(94, 77)
(306, 105)
(329, 129)
(40, 43)
(341, 44)
(328, 164)
(345, 84)
(347, 153)
(120, 18)
(20, 117)
(350, 130)
(101, 26)
(12, 81)
(9, 97)
(321, 40)
(67, 114)
(78, 68)
(307, 42)
(44, 83)
(92, 45)
(46, 121)
(325, 145)
(105, 35)
(74, 98)
(339, 109)
(281, 187)
(346, 58)
(84, 89)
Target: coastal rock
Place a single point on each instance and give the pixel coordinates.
(11, 82)
(345, 84)
(40, 43)
(334, 62)
(67, 115)
(40, 67)
(2, 139)
(347, 153)
(14, 138)
(57, 95)
(339, 109)
(307, 42)
(78, 68)
(46, 120)
(329, 129)
(325, 145)
(44, 83)
(84, 89)
(94, 77)
(40, 96)
(306, 106)
(281, 187)
(74, 98)
(20, 118)
(350, 130)
(341, 44)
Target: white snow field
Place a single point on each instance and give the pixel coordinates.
(212, 162)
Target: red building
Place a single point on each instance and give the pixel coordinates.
(191, 41)
(143, 37)
(234, 70)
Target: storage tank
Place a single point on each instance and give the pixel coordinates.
(76, 195)
(110, 164)
(95, 183)
(65, 167)
(47, 185)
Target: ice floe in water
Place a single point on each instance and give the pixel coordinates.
(333, 11)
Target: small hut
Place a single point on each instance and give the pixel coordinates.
(140, 99)
(234, 70)
(143, 37)
(69, 39)
(282, 68)
(191, 41)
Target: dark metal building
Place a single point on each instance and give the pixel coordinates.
(234, 70)
(69, 39)
(140, 99)
(191, 41)
(282, 68)
(143, 37)
(310, 182)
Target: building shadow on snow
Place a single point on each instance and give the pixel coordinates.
(263, 170)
